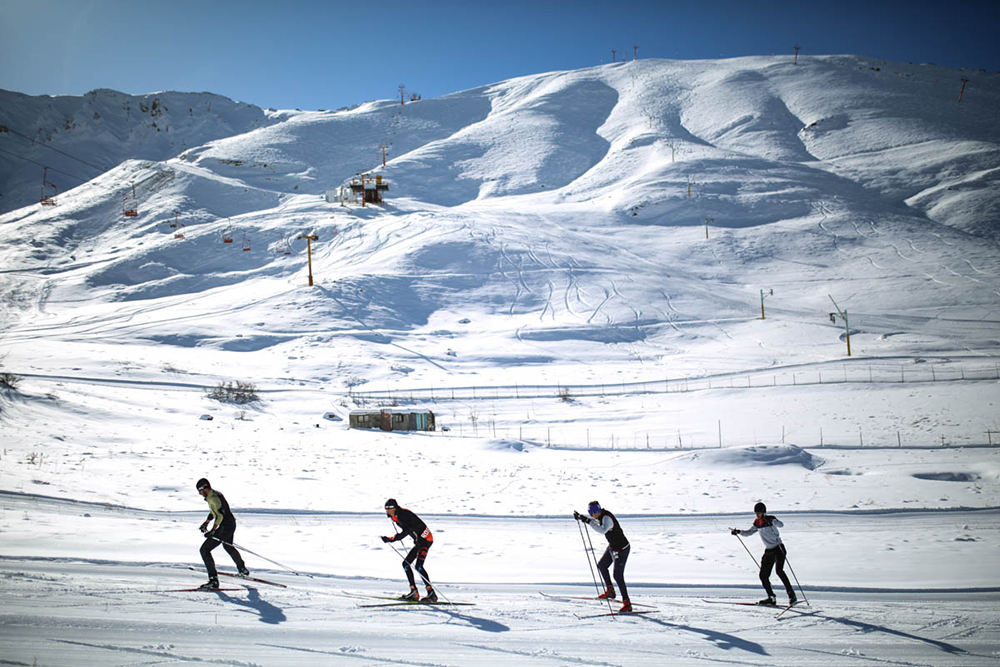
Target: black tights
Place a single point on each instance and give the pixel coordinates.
(619, 557)
(774, 558)
(210, 543)
(418, 554)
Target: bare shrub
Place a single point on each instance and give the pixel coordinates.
(239, 392)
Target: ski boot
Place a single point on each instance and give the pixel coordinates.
(626, 608)
(609, 594)
(769, 601)
(412, 596)
(244, 572)
(431, 596)
(210, 585)
(792, 600)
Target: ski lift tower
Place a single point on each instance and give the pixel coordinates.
(309, 239)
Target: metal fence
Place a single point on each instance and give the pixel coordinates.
(841, 373)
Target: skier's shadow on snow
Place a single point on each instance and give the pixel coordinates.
(719, 639)
(268, 612)
(483, 624)
(869, 627)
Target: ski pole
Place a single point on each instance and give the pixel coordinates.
(754, 559)
(594, 555)
(236, 546)
(426, 580)
(590, 563)
(792, 570)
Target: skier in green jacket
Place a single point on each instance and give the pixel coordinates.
(221, 532)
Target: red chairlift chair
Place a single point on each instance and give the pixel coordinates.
(246, 243)
(227, 236)
(129, 204)
(48, 199)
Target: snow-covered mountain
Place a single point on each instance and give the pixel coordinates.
(79, 138)
(565, 206)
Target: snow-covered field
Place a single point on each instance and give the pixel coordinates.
(569, 271)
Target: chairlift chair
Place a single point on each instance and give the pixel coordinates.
(246, 243)
(129, 204)
(227, 236)
(48, 198)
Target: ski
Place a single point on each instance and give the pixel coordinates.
(575, 597)
(417, 603)
(394, 600)
(199, 590)
(792, 606)
(618, 613)
(240, 576)
(370, 597)
(743, 604)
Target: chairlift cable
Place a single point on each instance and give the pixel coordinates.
(82, 180)
(40, 143)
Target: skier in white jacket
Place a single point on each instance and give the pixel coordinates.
(774, 552)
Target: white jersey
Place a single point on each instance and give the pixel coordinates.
(768, 533)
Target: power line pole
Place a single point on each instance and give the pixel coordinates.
(847, 328)
(762, 295)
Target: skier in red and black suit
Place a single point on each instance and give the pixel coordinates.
(410, 525)
(618, 550)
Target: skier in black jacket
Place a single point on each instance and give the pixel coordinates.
(410, 525)
(618, 550)
(221, 532)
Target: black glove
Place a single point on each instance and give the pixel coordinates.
(386, 539)
(736, 531)
(203, 527)
(210, 534)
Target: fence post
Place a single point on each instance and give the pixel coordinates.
(720, 434)
(820, 436)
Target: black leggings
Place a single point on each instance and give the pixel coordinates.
(620, 557)
(419, 554)
(225, 534)
(774, 557)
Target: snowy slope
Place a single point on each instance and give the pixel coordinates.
(541, 278)
(81, 137)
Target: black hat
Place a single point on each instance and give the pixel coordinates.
(759, 508)
(391, 504)
(202, 484)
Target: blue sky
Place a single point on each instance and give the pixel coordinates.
(309, 54)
